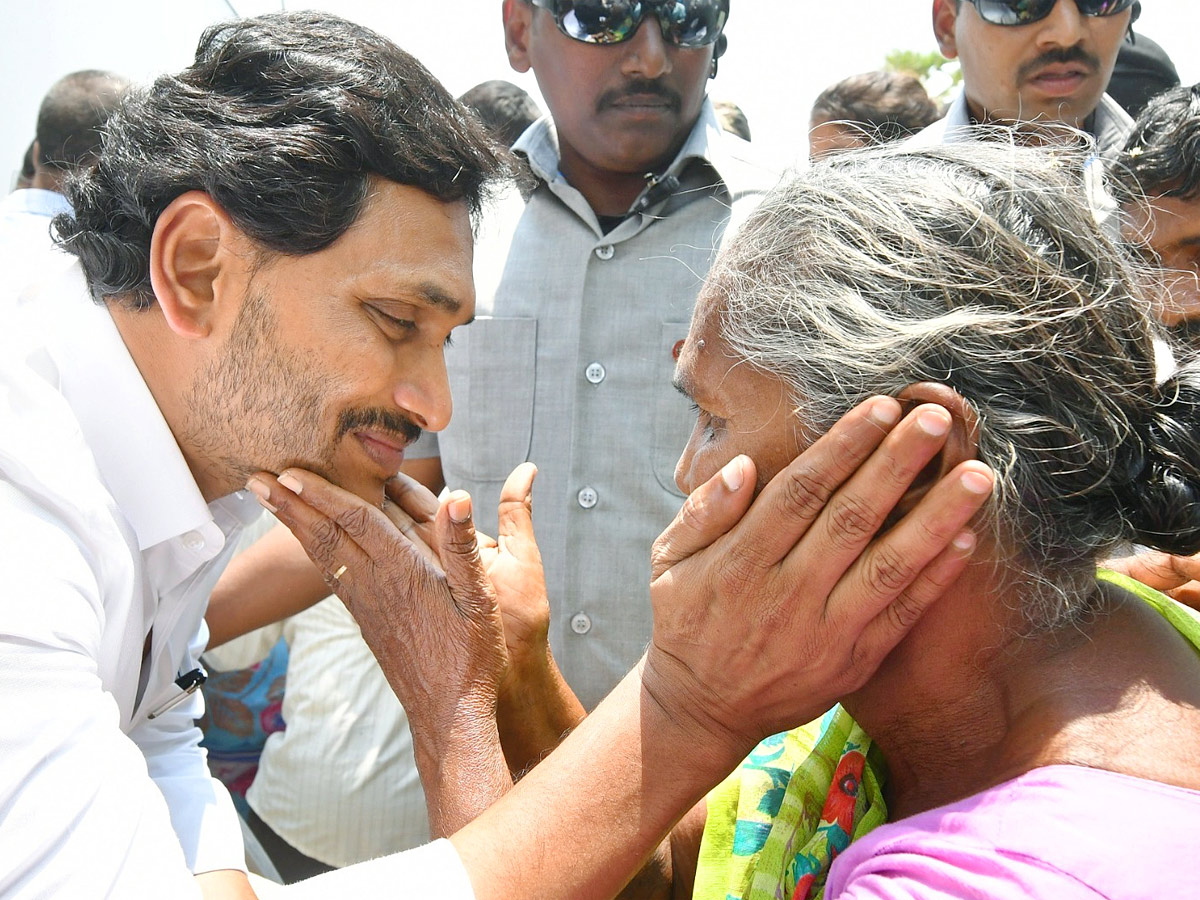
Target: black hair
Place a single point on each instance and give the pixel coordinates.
(888, 105)
(71, 118)
(28, 168)
(505, 109)
(282, 119)
(1162, 155)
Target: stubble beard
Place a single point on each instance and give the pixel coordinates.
(259, 407)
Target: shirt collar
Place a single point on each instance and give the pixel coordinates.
(735, 163)
(35, 201)
(1111, 125)
(134, 448)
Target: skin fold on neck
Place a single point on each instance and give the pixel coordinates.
(1119, 692)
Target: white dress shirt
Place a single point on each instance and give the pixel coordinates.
(108, 551)
(107, 548)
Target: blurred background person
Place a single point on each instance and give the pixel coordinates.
(732, 118)
(28, 169)
(1143, 71)
(1158, 178)
(505, 109)
(69, 132)
(871, 108)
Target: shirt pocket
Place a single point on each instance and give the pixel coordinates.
(491, 370)
(673, 416)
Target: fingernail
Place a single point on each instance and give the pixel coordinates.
(977, 482)
(964, 541)
(733, 474)
(934, 422)
(291, 482)
(260, 490)
(885, 411)
(459, 508)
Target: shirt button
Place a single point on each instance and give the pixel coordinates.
(594, 373)
(193, 540)
(587, 497)
(581, 623)
(605, 251)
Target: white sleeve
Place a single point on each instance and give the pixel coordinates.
(202, 812)
(434, 870)
(81, 817)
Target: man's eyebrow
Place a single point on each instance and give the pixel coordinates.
(435, 296)
(682, 384)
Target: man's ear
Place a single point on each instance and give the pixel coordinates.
(945, 17)
(961, 443)
(191, 244)
(518, 19)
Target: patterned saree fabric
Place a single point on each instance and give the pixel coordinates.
(777, 823)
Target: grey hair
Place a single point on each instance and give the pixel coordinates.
(980, 266)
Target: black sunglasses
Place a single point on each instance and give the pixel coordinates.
(684, 23)
(1023, 12)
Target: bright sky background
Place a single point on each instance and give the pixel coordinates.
(782, 53)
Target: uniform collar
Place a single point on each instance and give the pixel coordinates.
(1111, 125)
(737, 166)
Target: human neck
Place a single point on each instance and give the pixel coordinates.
(164, 362)
(980, 116)
(608, 192)
(966, 702)
(947, 705)
(46, 180)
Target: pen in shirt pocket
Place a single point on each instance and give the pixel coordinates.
(185, 685)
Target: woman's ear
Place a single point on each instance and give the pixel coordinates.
(961, 443)
(190, 246)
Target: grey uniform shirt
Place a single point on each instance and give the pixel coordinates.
(569, 364)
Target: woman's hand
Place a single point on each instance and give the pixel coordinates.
(763, 620)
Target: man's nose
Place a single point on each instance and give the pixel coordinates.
(424, 394)
(1064, 27)
(646, 53)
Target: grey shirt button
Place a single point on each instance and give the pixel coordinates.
(605, 251)
(581, 623)
(594, 373)
(587, 497)
(193, 540)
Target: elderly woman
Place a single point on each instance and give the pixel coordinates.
(1034, 734)
(1012, 733)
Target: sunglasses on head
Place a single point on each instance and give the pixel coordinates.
(1023, 12)
(684, 23)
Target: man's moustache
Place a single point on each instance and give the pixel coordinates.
(1059, 56)
(382, 420)
(639, 89)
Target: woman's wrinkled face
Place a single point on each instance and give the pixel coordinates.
(739, 409)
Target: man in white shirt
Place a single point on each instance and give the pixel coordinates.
(304, 189)
(1023, 61)
(278, 241)
(68, 138)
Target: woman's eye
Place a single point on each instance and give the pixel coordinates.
(710, 423)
